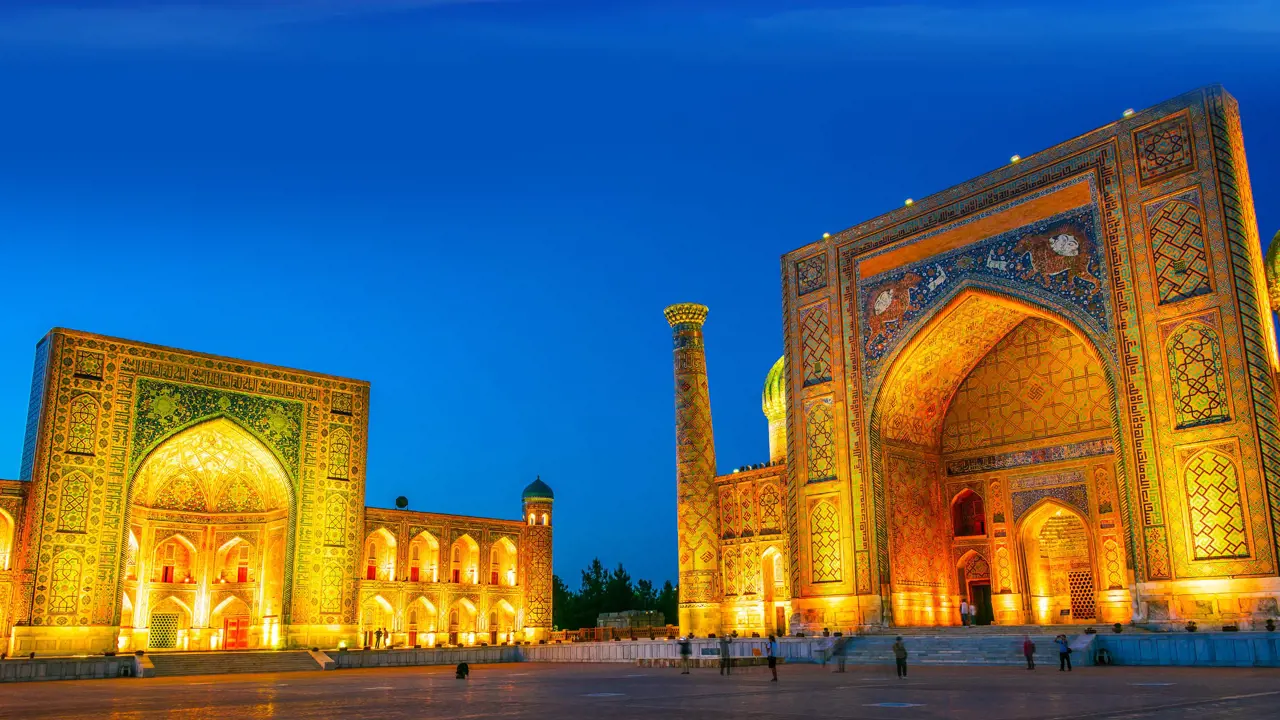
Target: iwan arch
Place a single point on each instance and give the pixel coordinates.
(1050, 391)
(171, 500)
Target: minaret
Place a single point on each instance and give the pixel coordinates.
(535, 554)
(698, 511)
(774, 403)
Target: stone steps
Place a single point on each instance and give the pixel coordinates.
(983, 649)
(214, 663)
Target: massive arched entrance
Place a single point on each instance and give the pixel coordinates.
(207, 538)
(993, 448)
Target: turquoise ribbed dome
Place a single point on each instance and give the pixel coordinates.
(538, 490)
(774, 398)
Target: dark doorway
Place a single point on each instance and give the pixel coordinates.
(980, 599)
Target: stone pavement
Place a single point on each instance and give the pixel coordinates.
(622, 692)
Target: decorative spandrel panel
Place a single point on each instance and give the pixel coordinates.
(1196, 376)
(820, 430)
(1215, 506)
(1175, 230)
(824, 542)
(815, 343)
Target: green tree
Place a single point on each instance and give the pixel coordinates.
(564, 605)
(646, 598)
(618, 592)
(669, 603)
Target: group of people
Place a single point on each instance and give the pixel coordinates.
(726, 655)
(838, 650)
(381, 638)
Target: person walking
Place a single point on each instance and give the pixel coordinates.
(900, 657)
(840, 650)
(1029, 651)
(773, 657)
(1064, 653)
(726, 665)
(965, 610)
(686, 649)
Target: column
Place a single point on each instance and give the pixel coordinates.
(698, 514)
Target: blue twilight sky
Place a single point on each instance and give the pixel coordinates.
(483, 207)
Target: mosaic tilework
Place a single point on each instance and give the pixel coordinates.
(1215, 506)
(1164, 149)
(824, 540)
(811, 274)
(1039, 380)
(89, 364)
(1022, 458)
(821, 453)
(1060, 258)
(1113, 567)
(1157, 552)
(1076, 496)
(917, 522)
(64, 593)
(1175, 229)
(73, 511)
(770, 509)
(1002, 570)
(815, 343)
(1195, 374)
(82, 425)
(162, 408)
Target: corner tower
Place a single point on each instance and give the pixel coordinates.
(698, 516)
(774, 403)
(536, 554)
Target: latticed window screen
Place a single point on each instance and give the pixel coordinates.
(339, 453)
(824, 524)
(64, 591)
(1083, 605)
(82, 426)
(164, 631)
(74, 510)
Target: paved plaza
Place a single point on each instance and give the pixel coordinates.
(620, 692)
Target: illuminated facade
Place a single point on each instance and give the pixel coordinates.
(171, 500)
(1050, 391)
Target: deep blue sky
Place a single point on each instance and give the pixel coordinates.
(483, 207)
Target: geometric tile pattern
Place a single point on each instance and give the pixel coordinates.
(822, 464)
(74, 510)
(1083, 602)
(89, 364)
(331, 583)
(1039, 380)
(815, 344)
(811, 274)
(729, 561)
(339, 452)
(65, 590)
(747, 504)
(82, 428)
(1177, 245)
(770, 509)
(824, 538)
(1076, 496)
(1164, 149)
(728, 513)
(917, 522)
(1002, 566)
(335, 522)
(1195, 372)
(1112, 564)
(1216, 507)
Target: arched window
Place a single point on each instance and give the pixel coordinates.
(967, 515)
(82, 425)
(414, 554)
(242, 565)
(532, 516)
(413, 617)
(544, 518)
(339, 453)
(75, 503)
(65, 584)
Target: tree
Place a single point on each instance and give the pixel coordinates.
(646, 598)
(669, 603)
(564, 604)
(618, 593)
(607, 591)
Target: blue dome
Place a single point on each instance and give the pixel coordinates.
(538, 490)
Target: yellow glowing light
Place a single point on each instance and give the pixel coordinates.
(1127, 113)
(342, 644)
(826, 235)
(1015, 159)
(910, 202)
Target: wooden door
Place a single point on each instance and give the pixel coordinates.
(235, 632)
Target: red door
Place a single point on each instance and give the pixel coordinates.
(242, 574)
(235, 632)
(413, 574)
(493, 578)
(456, 575)
(371, 572)
(413, 638)
(166, 574)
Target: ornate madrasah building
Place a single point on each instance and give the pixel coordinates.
(171, 500)
(1050, 391)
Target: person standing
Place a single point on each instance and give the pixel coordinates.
(773, 657)
(964, 612)
(726, 666)
(377, 639)
(900, 657)
(1029, 651)
(1064, 653)
(686, 649)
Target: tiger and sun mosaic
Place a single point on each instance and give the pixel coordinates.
(1049, 391)
(174, 501)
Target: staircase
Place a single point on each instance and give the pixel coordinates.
(216, 663)
(958, 647)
